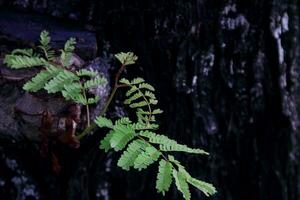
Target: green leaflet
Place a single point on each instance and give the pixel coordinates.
(94, 82)
(146, 158)
(146, 86)
(131, 91)
(132, 152)
(137, 80)
(57, 83)
(38, 82)
(25, 52)
(67, 52)
(85, 72)
(164, 176)
(23, 61)
(105, 142)
(166, 144)
(123, 121)
(126, 58)
(72, 91)
(138, 104)
(207, 188)
(45, 45)
(133, 97)
(181, 184)
(122, 135)
(104, 122)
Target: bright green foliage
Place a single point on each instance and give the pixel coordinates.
(105, 142)
(141, 146)
(207, 188)
(166, 144)
(181, 184)
(146, 158)
(45, 46)
(129, 156)
(104, 122)
(122, 135)
(126, 58)
(56, 77)
(86, 73)
(58, 82)
(145, 146)
(25, 52)
(94, 82)
(39, 81)
(67, 52)
(164, 176)
(23, 61)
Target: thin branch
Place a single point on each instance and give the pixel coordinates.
(93, 125)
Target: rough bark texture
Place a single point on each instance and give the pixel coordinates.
(227, 75)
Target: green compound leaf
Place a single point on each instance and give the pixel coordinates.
(181, 184)
(126, 58)
(104, 122)
(129, 156)
(164, 176)
(39, 81)
(23, 61)
(105, 142)
(57, 83)
(122, 135)
(207, 188)
(146, 158)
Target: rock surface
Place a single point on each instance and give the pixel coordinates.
(26, 28)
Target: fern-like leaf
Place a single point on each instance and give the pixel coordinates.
(146, 158)
(146, 86)
(105, 142)
(123, 121)
(25, 52)
(67, 53)
(124, 81)
(104, 122)
(126, 58)
(92, 100)
(23, 61)
(38, 82)
(45, 45)
(164, 176)
(123, 134)
(167, 144)
(207, 188)
(85, 72)
(137, 80)
(134, 97)
(139, 104)
(181, 184)
(57, 83)
(95, 82)
(132, 152)
(131, 91)
(72, 91)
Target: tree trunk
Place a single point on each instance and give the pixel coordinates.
(226, 74)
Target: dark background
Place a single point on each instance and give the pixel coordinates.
(226, 74)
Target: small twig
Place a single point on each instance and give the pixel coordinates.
(87, 109)
(92, 126)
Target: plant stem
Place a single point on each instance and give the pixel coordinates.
(88, 115)
(93, 125)
(87, 109)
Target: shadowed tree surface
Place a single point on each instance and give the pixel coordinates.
(226, 74)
